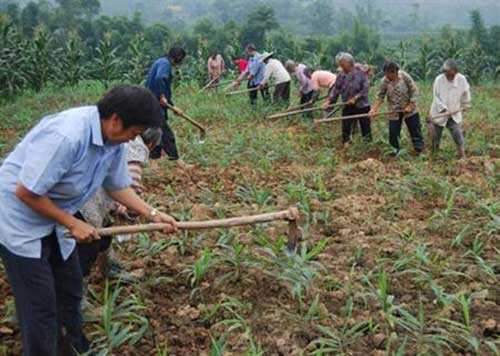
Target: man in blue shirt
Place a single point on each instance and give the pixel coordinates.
(159, 81)
(51, 173)
(255, 75)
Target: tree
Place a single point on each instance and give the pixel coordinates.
(30, 18)
(258, 22)
(204, 28)
(478, 31)
(79, 8)
(11, 9)
(318, 17)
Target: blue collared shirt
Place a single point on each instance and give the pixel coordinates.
(65, 158)
(159, 79)
(257, 69)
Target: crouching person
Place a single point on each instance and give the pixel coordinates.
(48, 177)
(98, 210)
(402, 94)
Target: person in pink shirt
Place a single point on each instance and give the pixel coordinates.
(322, 79)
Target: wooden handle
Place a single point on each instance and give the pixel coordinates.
(203, 129)
(357, 116)
(209, 83)
(295, 112)
(248, 90)
(445, 114)
(291, 214)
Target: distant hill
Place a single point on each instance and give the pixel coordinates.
(414, 13)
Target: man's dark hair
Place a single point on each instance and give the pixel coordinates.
(391, 67)
(176, 54)
(135, 105)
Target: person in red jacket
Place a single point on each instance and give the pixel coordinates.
(241, 63)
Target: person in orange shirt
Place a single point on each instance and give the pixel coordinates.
(323, 79)
(216, 67)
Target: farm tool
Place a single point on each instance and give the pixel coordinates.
(201, 128)
(291, 215)
(301, 111)
(357, 116)
(211, 84)
(248, 90)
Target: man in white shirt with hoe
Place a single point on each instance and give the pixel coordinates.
(451, 98)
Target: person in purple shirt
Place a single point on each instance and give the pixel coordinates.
(57, 167)
(352, 86)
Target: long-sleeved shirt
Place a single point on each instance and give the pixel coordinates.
(322, 79)
(256, 69)
(159, 79)
(450, 96)
(275, 69)
(305, 82)
(399, 93)
(216, 66)
(65, 158)
(349, 85)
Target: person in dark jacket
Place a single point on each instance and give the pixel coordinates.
(159, 81)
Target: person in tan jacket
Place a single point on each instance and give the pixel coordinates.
(216, 67)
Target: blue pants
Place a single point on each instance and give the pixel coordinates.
(47, 292)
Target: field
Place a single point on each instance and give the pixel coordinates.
(400, 255)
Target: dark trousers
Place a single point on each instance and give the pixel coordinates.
(305, 98)
(282, 93)
(88, 253)
(168, 143)
(414, 127)
(254, 93)
(47, 292)
(364, 122)
(456, 133)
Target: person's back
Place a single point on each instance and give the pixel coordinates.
(323, 79)
(278, 70)
(304, 81)
(161, 68)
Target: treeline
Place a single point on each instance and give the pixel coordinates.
(67, 41)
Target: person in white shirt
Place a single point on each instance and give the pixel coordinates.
(276, 70)
(451, 95)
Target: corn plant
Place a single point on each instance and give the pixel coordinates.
(228, 306)
(198, 271)
(337, 342)
(441, 218)
(13, 61)
(107, 64)
(41, 60)
(427, 338)
(217, 346)
(138, 60)
(72, 66)
(296, 270)
(236, 257)
(121, 322)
